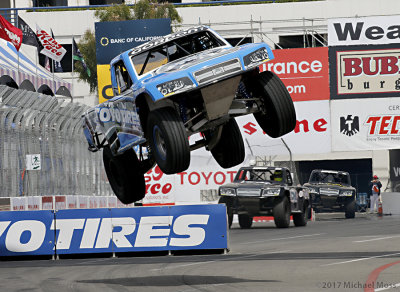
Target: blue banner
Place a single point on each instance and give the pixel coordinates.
(27, 233)
(113, 38)
(113, 230)
(141, 229)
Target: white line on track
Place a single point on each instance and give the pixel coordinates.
(393, 286)
(361, 259)
(283, 238)
(231, 258)
(379, 238)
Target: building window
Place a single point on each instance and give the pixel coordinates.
(299, 41)
(105, 2)
(235, 41)
(66, 61)
(45, 3)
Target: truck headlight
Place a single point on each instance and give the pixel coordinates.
(256, 58)
(227, 192)
(346, 193)
(271, 192)
(175, 86)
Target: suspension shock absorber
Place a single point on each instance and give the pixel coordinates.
(244, 93)
(182, 110)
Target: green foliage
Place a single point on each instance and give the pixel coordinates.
(114, 13)
(87, 46)
(143, 9)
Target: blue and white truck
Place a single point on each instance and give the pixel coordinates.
(192, 81)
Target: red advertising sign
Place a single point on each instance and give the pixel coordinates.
(305, 72)
(10, 33)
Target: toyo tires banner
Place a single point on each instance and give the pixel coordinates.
(113, 230)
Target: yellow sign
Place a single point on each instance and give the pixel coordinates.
(104, 82)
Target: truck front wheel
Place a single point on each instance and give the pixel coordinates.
(277, 116)
(350, 210)
(300, 219)
(281, 213)
(125, 175)
(229, 209)
(168, 140)
(245, 221)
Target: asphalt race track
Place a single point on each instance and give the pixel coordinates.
(330, 254)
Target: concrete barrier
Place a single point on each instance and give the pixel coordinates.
(391, 203)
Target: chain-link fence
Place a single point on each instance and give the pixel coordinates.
(47, 130)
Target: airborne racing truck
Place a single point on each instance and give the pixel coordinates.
(168, 89)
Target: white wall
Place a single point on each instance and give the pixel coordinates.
(278, 19)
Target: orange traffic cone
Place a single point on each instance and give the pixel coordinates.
(380, 209)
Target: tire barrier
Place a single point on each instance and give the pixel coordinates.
(84, 231)
(46, 132)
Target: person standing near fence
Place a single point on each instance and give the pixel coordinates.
(375, 185)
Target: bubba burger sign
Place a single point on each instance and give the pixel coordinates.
(370, 72)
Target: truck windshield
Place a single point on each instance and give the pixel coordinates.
(174, 50)
(330, 178)
(271, 175)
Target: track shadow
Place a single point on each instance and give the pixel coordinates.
(174, 280)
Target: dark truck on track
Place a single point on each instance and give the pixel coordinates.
(332, 190)
(261, 191)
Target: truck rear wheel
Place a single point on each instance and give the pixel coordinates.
(168, 140)
(245, 221)
(350, 210)
(281, 213)
(229, 209)
(229, 151)
(125, 175)
(278, 116)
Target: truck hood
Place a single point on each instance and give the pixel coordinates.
(250, 184)
(192, 60)
(330, 186)
(186, 66)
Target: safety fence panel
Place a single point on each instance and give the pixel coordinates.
(80, 231)
(43, 151)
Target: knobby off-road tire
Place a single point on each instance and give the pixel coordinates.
(281, 212)
(229, 150)
(125, 175)
(168, 140)
(350, 210)
(229, 209)
(300, 219)
(279, 116)
(245, 221)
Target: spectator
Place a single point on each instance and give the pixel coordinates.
(375, 186)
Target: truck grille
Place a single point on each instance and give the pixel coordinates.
(217, 71)
(249, 192)
(329, 192)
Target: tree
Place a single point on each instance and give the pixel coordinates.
(143, 9)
